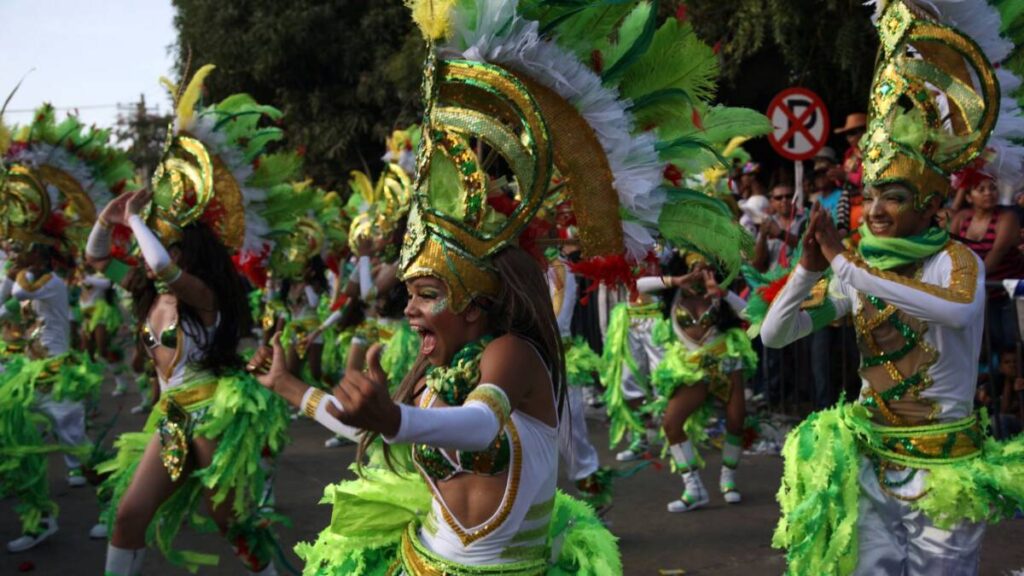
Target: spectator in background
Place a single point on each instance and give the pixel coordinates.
(777, 239)
(826, 183)
(993, 232)
(750, 181)
(779, 235)
(854, 129)
(1010, 401)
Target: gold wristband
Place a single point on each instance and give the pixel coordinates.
(103, 223)
(169, 273)
(313, 403)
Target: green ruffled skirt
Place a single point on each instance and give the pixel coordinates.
(23, 450)
(373, 513)
(820, 491)
(102, 313)
(247, 421)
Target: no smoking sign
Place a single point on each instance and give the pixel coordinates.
(800, 123)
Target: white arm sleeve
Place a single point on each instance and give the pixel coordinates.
(331, 320)
(785, 322)
(733, 299)
(365, 278)
(100, 239)
(472, 427)
(324, 418)
(311, 297)
(97, 282)
(652, 284)
(5, 289)
(939, 306)
(153, 252)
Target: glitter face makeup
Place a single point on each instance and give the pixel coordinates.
(890, 212)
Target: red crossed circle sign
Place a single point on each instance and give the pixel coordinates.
(800, 123)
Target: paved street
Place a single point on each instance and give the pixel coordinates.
(719, 540)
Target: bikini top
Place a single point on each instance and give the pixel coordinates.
(441, 465)
(685, 319)
(168, 336)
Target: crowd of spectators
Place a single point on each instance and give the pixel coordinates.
(814, 372)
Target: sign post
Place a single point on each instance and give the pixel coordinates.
(800, 128)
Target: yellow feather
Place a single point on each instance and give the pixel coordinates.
(361, 183)
(735, 143)
(434, 17)
(5, 138)
(171, 87)
(187, 104)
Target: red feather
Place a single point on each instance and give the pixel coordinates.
(771, 290)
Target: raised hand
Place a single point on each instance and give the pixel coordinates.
(136, 202)
(113, 212)
(365, 397)
(812, 258)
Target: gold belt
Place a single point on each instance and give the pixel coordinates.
(418, 561)
(190, 396)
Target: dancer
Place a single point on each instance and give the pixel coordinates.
(481, 406)
(54, 175)
(205, 437)
(707, 356)
(904, 481)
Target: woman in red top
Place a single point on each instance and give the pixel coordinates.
(992, 231)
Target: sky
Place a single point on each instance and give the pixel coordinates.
(86, 54)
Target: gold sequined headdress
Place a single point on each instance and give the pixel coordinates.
(216, 170)
(593, 101)
(935, 98)
(54, 180)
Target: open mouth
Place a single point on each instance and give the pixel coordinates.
(428, 340)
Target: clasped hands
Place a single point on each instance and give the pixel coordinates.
(821, 241)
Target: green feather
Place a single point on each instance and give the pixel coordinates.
(579, 25)
(676, 58)
(705, 225)
(634, 38)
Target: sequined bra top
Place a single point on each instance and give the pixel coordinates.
(685, 319)
(441, 465)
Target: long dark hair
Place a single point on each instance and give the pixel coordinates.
(522, 307)
(205, 257)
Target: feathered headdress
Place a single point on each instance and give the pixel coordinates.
(55, 178)
(940, 98)
(590, 96)
(216, 170)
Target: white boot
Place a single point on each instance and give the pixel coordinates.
(27, 541)
(124, 562)
(694, 496)
(731, 451)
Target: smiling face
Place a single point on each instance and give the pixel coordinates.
(442, 332)
(890, 212)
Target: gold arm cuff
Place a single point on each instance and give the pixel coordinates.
(309, 409)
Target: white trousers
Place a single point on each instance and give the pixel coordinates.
(646, 355)
(68, 423)
(896, 540)
(574, 444)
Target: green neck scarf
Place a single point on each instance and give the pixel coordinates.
(888, 253)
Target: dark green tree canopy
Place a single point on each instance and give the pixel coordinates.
(344, 72)
(347, 72)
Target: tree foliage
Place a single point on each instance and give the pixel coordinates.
(344, 72)
(827, 45)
